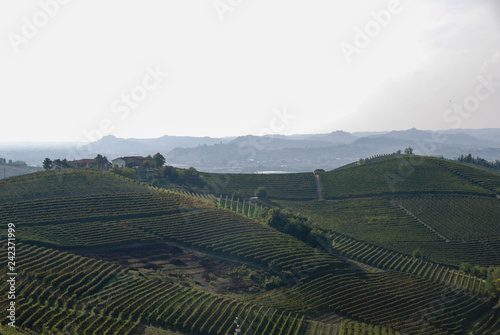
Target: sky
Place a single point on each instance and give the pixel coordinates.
(74, 70)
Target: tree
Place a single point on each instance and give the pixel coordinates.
(47, 164)
(170, 173)
(493, 282)
(261, 192)
(409, 151)
(158, 160)
(125, 172)
(101, 162)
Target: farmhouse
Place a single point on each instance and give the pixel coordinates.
(129, 161)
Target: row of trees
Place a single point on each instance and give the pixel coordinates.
(479, 161)
(100, 162)
(3, 161)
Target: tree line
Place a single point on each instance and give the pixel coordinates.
(479, 161)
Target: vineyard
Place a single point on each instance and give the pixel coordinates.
(97, 253)
(457, 217)
(64, 183)
(369, 219)
(390, 260)
(408, 304)
(62, 292)
(475, 175)
(399, 175)
(296, 186)
(231, 235)
(380, 221)
(98, 207)
(125, 218)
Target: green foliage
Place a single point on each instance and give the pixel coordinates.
(47, 164)
(125, 172)
(290, 223)
(409, 151)
(479, 162)
(493, 282)
(158, 160)
(272, 282)
(261, 192)
(101, 162)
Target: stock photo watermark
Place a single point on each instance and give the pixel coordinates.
(486, 86)
(31, 26)
(224, 7)
(364, 36)
(123, 105)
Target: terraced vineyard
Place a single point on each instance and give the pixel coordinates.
(101, 254)
(62, 292)
(86, 234)
(126, 218)
(407, 304)
(390, 260)
(380, 221)
(400, 175)
(97, 207)
(234, 236)
(368, 219)
(297, 186)
(457, 217)
(64, 183)
(476, 175)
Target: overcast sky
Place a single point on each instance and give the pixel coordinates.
(76, 70)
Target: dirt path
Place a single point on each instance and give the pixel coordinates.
(318, 187)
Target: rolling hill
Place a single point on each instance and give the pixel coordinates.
(100, 254)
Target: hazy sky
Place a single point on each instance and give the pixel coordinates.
(74, 70)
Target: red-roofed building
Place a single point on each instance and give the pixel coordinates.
(83, 163)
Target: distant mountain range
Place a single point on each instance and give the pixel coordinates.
(291, 153)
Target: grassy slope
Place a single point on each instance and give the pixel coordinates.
(400, 175)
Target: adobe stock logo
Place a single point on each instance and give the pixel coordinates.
(373, 28)
(127, 102)
(41, 18)
(222, 7)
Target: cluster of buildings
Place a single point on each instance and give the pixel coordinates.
(131, 161)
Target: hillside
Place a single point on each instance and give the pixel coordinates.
(408, 174)
(100, 254)
(446, 210)
(296, 186)
(63, 183)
